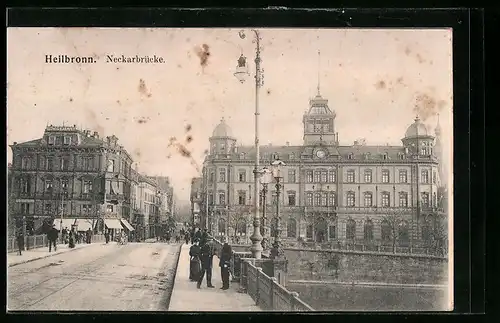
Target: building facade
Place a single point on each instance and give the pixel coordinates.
(196, 200)
(72, 176)
(331, 192)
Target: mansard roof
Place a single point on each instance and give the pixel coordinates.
(358, 152)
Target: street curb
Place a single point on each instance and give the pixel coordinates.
(175, 274)
(43, 257)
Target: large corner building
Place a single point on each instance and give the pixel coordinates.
(331, 192)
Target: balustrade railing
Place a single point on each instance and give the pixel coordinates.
(40, 241)
(267, 293)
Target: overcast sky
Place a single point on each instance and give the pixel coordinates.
(373, 79)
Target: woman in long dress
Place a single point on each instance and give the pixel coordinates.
(71, 239)
(194, 263)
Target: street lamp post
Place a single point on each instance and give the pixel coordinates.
(265, 180)
(240, 74)
(277, 249)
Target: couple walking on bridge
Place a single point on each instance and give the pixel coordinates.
(201, 262)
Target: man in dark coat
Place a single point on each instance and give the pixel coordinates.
(194, 262)
(207, 255)
(52, 236)
(20, 242)
(224, 264)
(204, 236)
(89, 236)
(197, 235)
(106, 236)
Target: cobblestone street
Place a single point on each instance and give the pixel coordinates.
(132, 277)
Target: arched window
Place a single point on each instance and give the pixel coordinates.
(351, 199)
(386, 231)
(317, 199)
(331, 199)
(404, 236)
(368, 196)
(350, 231)
(368, 232)
(291, 228)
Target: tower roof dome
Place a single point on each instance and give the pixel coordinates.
(416, 129)
(222, 130)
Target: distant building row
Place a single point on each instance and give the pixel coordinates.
(82, 178)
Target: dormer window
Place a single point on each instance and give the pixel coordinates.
(350, 156)
(67, 140)
(52, 140)
(242, 155)
(276, 156)
(401, 156)
(291, 156)
(367, 156)
(385, 156)
(222, 147)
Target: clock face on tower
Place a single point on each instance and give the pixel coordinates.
(320, 153)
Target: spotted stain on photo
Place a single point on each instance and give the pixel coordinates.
(203, 53)
(143, 90)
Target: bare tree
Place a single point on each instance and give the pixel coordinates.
(393, 220)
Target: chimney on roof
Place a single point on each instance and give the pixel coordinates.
(96, 134)
(15, 142)
(288, 143)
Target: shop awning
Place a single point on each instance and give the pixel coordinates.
(66, 223)
(84, 224)
(127, 225)
(113, 224)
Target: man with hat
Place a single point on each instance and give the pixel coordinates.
(52, 235)
(206, 257)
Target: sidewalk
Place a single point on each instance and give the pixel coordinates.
(187, 298)
(14, 259)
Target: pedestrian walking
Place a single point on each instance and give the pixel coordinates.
(88, 236)
(52, 236)
(106, 236)
(186, 237)
(194, 262)
(206, 257)
(225, 264)
(20, 243)
(71, 239)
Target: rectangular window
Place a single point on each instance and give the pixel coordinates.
(210, 198)
(67, 140)
(25, 163)
(242, 198)
(64, 184)
(385, 176)
(403, 176)
(309, 199)
(25, 208)
(49, 163)
(425, 199)
(111, 165)
(425, 177)
(309, 232)
(403, 199)
(52, 140)
(386, 197)
(88, 163)
(434, 180)
(291, 199)
(324, 176)
(211, 177)
(368, 200)
(309, 176)
(48, 208)
(332, 232)
(332, 176)
(291, 176)
(242, 176)
(87, 186)
(25, 185)
(222, 198)
(368, 176)
(222, 175)
(110, 208)
(350, 199)
(64, 163)
(317, 176)
(317, 199)
(350, 176)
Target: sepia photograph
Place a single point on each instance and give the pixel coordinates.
(229, 170)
